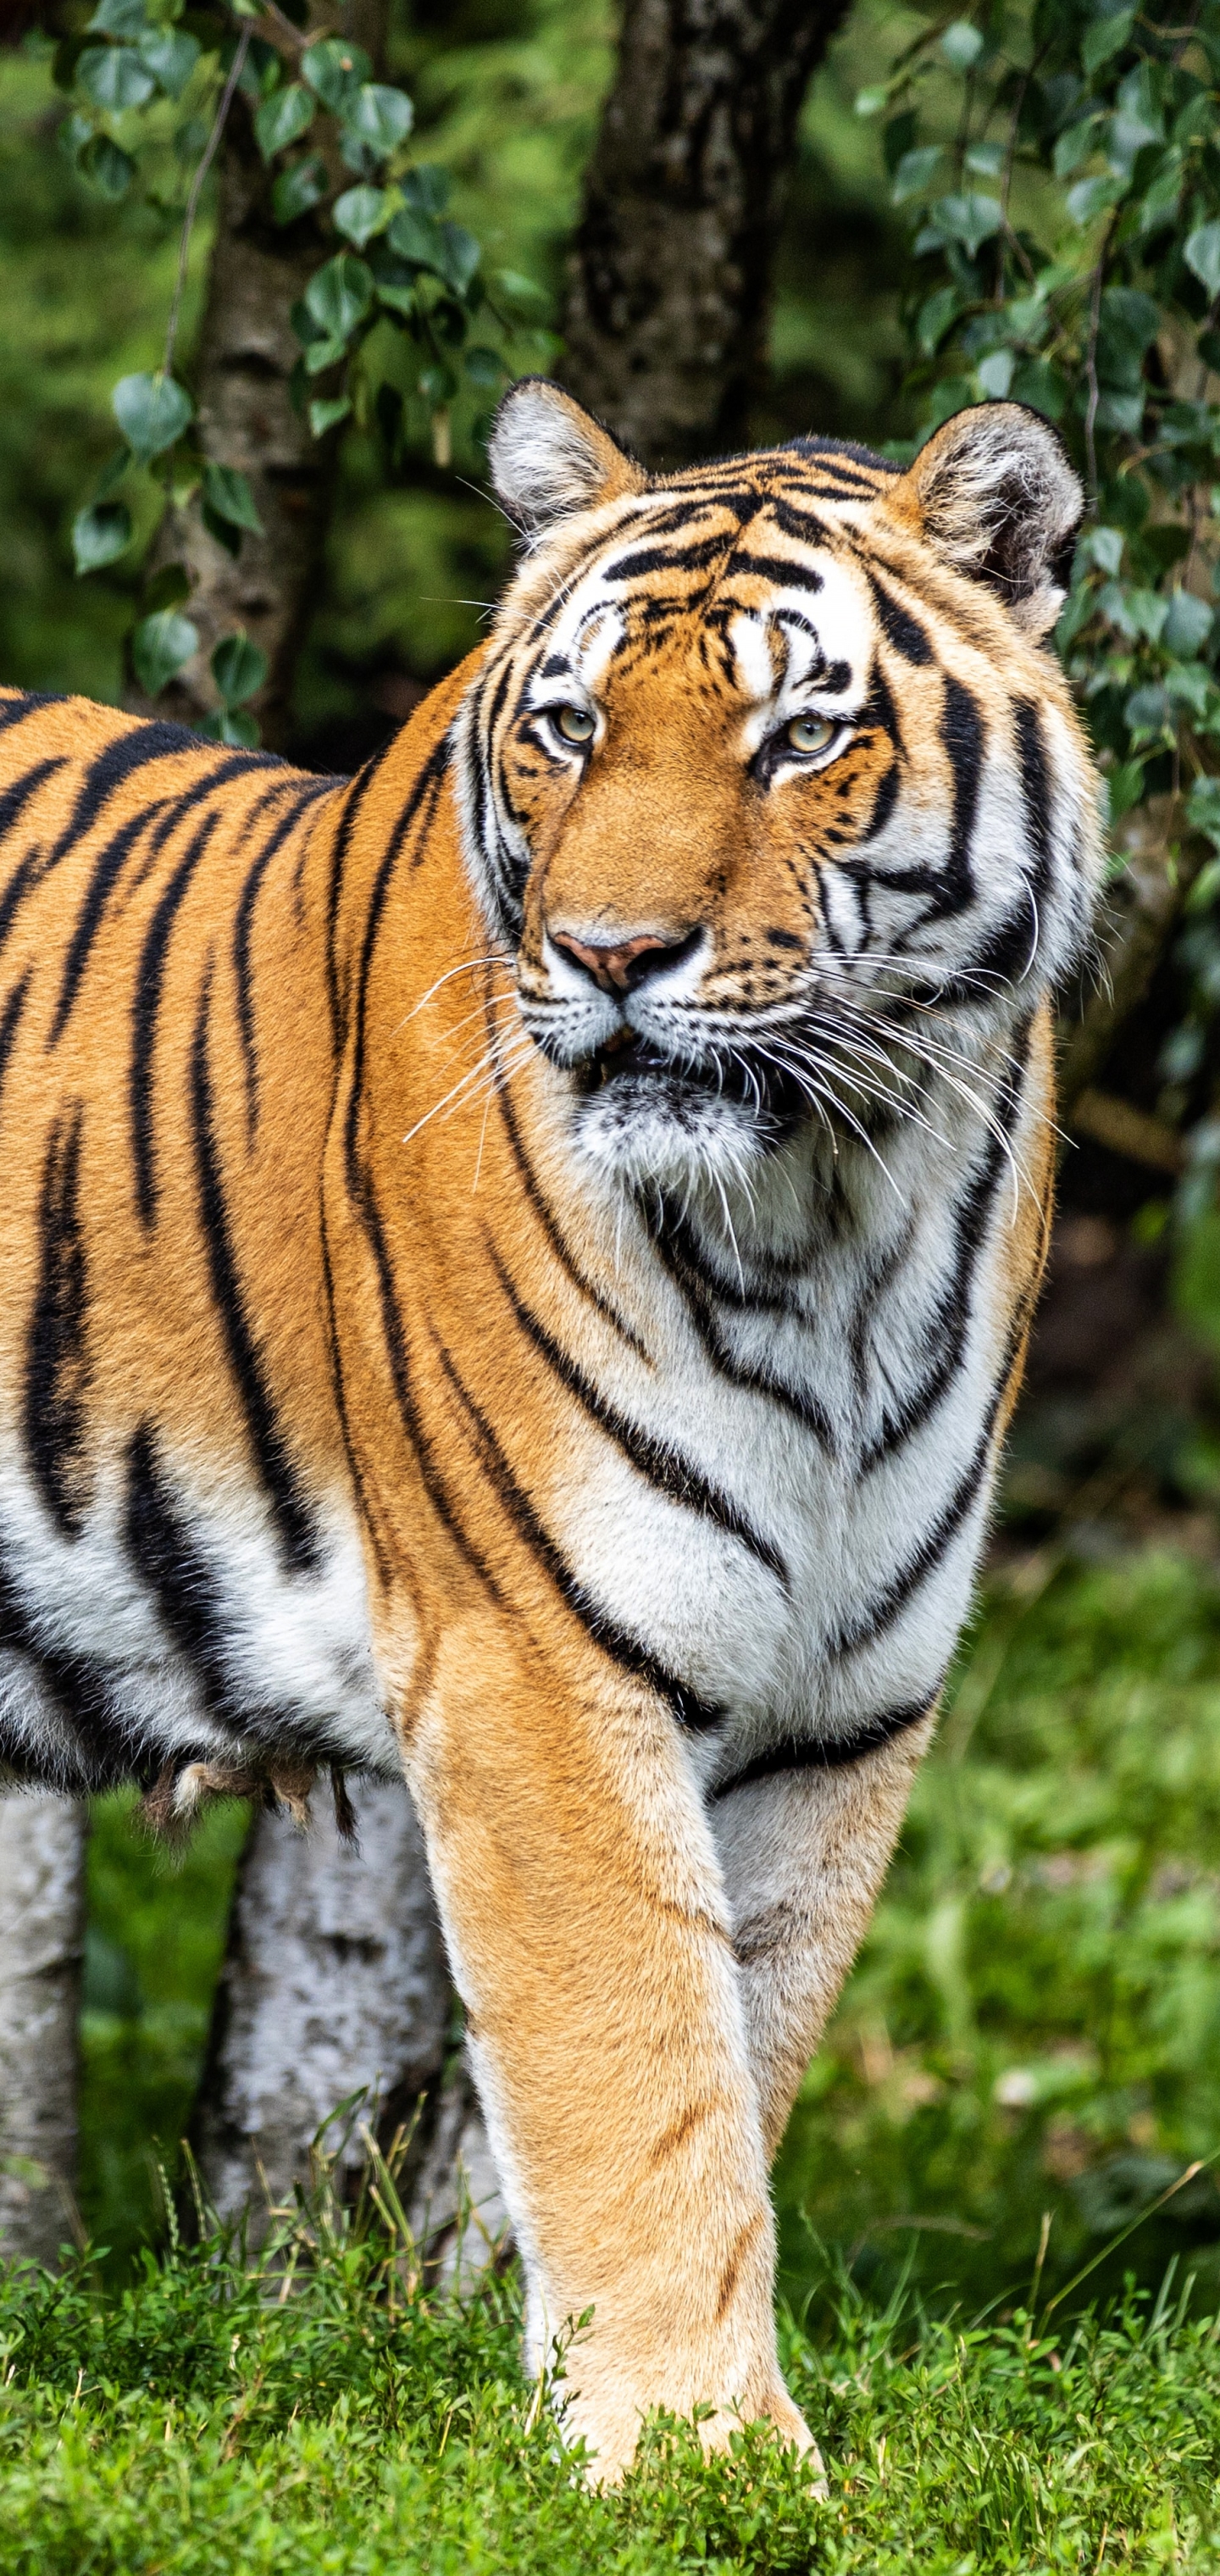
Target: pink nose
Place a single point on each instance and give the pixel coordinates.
(611, 966)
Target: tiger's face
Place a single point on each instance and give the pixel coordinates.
(768, 775)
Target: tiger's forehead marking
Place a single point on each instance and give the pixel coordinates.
(790, 615)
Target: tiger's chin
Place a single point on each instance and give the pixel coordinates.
(645, 1119)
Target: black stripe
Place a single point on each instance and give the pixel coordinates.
(10, 1022)
(165, 812)
(943, 1337)
(244, 922)
(13, 711)
(426, 787)
(30, 869)
(828, 1752)
(1035, 789)
(961, 732)
(181, 1581)
(57, 1360)
(663, 1467)
(103, 1750)
(675, 1248)
(357, 792)
(793, 576)
(624, 1650)
(555, 1237)
(294, 1525)
(694, 557)
(150, 976)
(111, 768)
(898, 626)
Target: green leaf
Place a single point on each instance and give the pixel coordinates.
(426, 188)
(935, 318)
(322, 354)
(870, 102)
(170, 57)
(1124, 785)
(167, 587)
(398, 299)
(112, 474)
(361, 212)
(1103, 547)
(995, 374)
(341, 295)
(152, 411)
(118, 18)
(1148, 711)
(238, 667)
(986, 160)
(299, 188)
(335, 70)
(228, 494)
(107, 168)
(417, 238)
(460, 256)
(1203, 808)
(969, 220)
(1089, 197)
(1074, 146)
(99, 533)
(379, 117)
(283, 119)
(160, 645)
(915, 172)
(1201, 251)
(323, 415)
(483, 367)
(114, 77)
(1104, 39)
(961, 45)
(1187, 626)
(234, 725)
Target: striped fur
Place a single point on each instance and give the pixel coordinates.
(519, 1265)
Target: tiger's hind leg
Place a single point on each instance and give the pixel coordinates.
(588, 1933)
(803, 1856)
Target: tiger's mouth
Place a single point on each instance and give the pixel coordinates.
(637, 1073)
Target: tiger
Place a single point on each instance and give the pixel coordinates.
(518, 1266)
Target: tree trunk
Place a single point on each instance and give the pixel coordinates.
(242, 376)
(670, 279)
(42, 1873)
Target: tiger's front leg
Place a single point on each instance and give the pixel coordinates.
(803, 1855)
(589, 1937)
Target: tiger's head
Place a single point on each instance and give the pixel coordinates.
(768, 774)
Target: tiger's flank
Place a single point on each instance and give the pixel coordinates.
(517, 1269)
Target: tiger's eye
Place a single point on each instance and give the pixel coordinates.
(810, 733)
(574, 723)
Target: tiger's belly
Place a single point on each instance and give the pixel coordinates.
(166, 1627)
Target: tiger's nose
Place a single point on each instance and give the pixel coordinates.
(619, 965)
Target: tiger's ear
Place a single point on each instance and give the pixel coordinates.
(549, 459)
(994, 493)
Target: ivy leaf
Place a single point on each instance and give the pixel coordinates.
(418, 238)
(233, 725)
(935, 318)
(1148, 711)
(969, 220)
(1103, 547)
(1089, 197)
(228, 494)
(99, 534)
(961, 45)
(298, 188)
(460, 256)
(1104, 39)
(1187, 626)
(340, 296)
(995, 374)
(361, 212)
(335, 70)
(323, 415)
(167, 587)
(170, 57)
(322, 354)
(118, 18)
(114, 77)
(381, 118)
(483, 367)
(107, 167)
(283, 119)
(238, 667)
(1201, 252)
(160, 646)
(1203, 808)
(426, 188)
(152, 411)
(915, 172)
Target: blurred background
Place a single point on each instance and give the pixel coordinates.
(1032, 2034)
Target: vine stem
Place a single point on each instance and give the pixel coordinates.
(204, 164)
(1090, 418)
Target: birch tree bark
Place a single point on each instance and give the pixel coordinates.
(42, 1873)
(670, 280)
(336, 1982)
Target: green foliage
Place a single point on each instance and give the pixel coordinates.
(150, 105)
(1058, 164)
(316, 2412)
